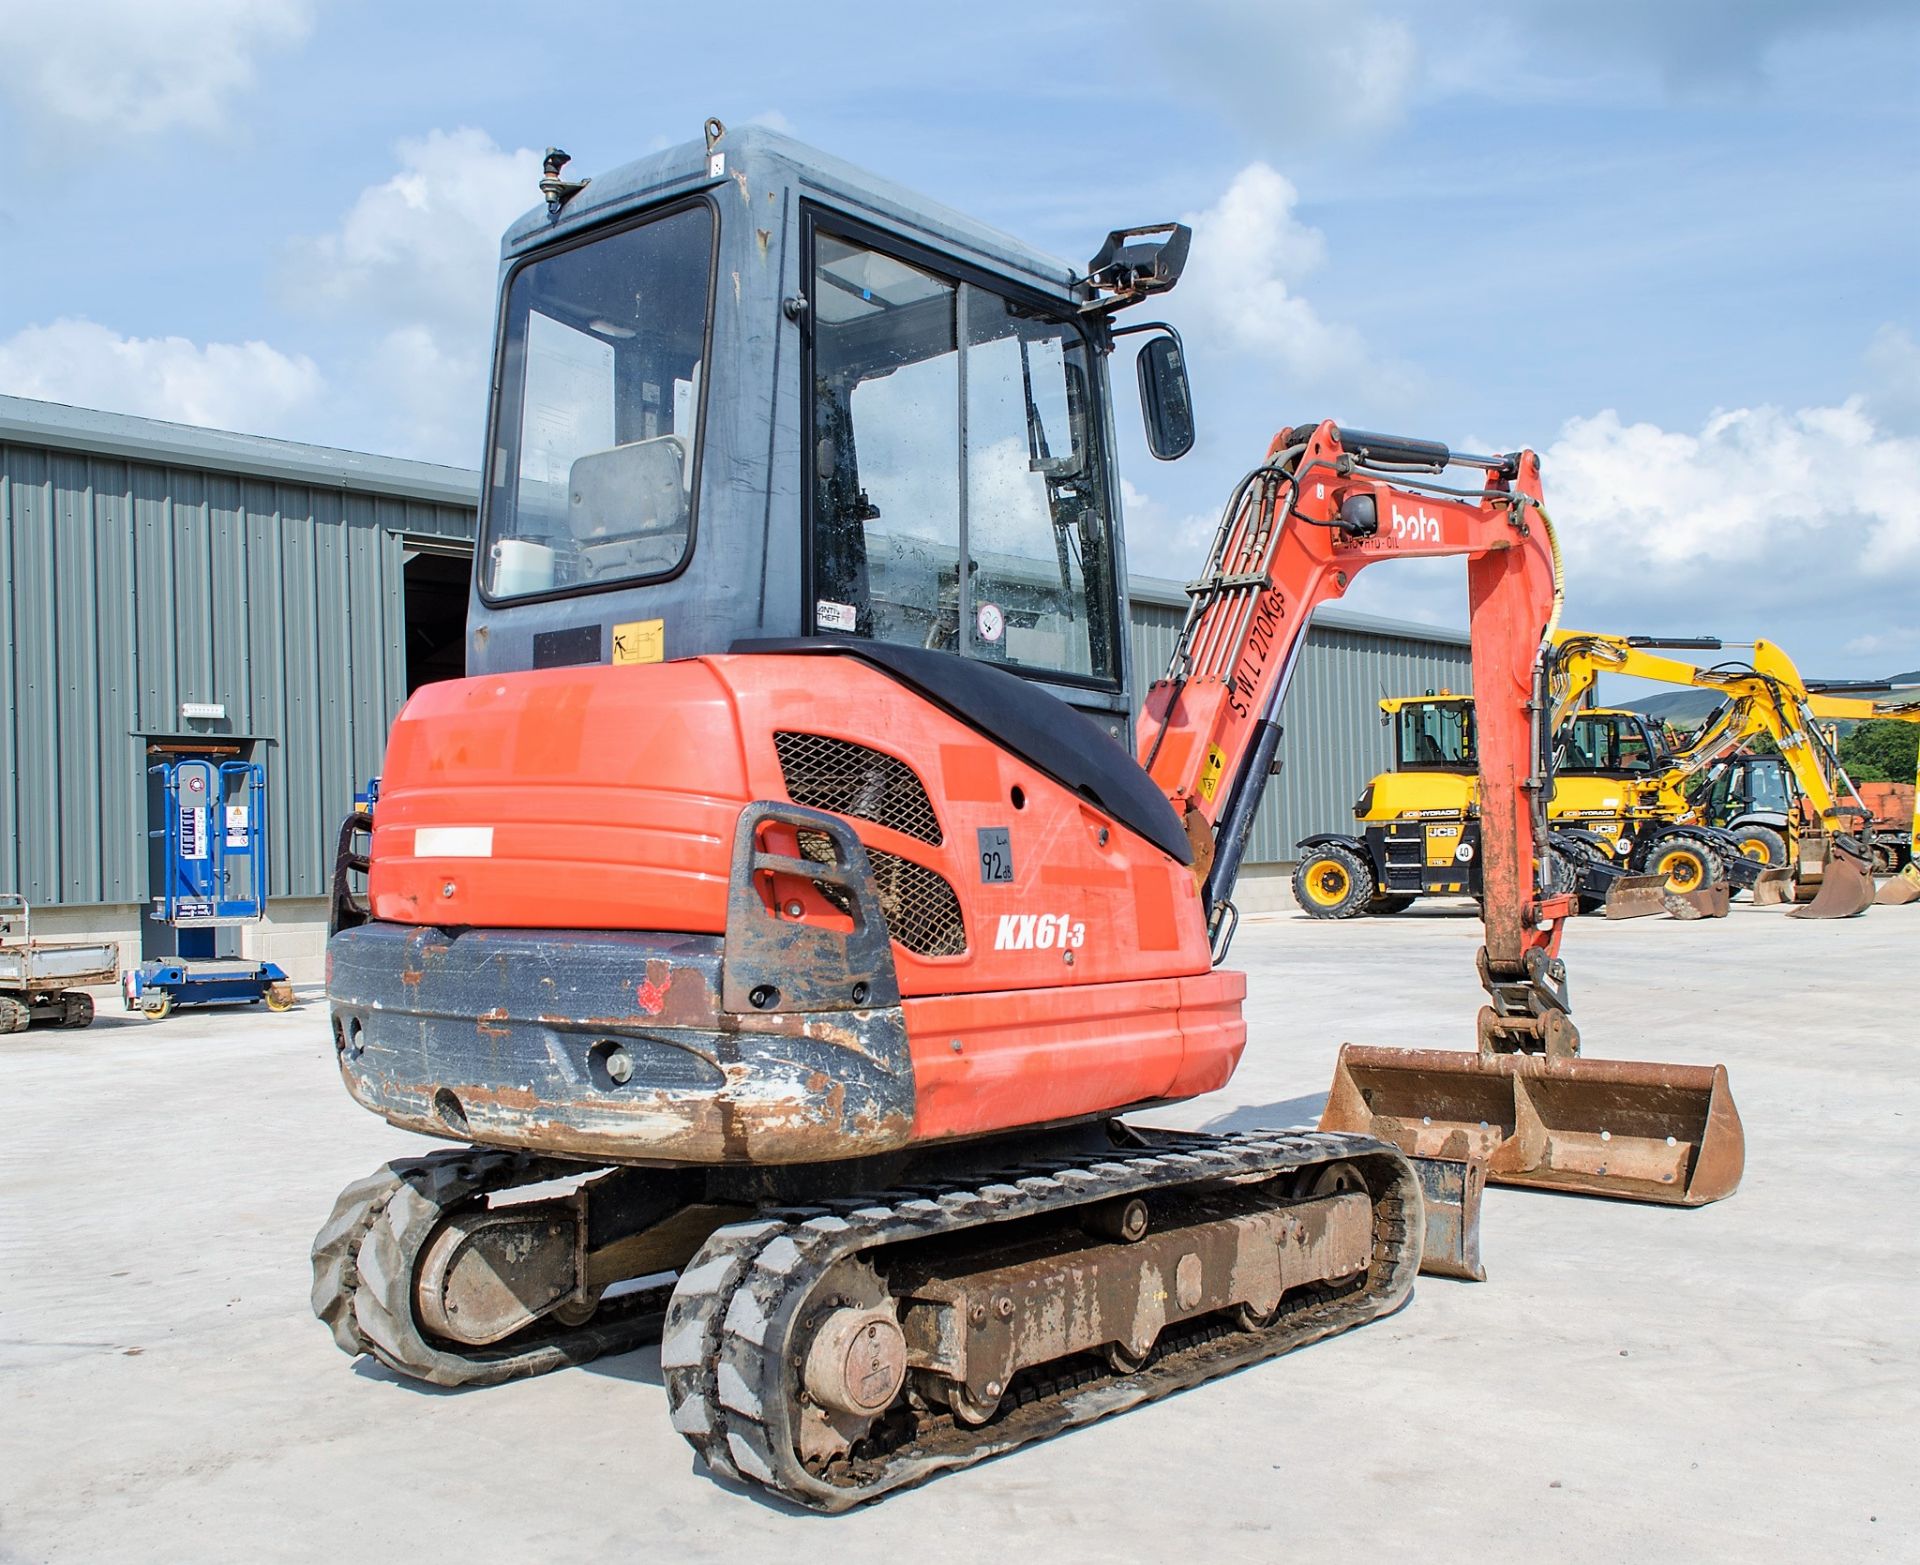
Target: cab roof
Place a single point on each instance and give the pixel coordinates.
(1392, 704)
(762, 169)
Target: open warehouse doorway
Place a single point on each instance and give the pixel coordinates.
(437, 571)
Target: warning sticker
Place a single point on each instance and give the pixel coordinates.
(835, 616)
(1210, 773)
(640, 641)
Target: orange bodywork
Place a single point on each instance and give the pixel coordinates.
(610, 807)
(602, 798)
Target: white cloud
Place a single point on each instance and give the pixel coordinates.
(1240, 292)
(106, 69)
(1287, 71)
(245, 386)
(1893, 379)
(1762, 522)
(773, 119)
(1161, 543)
(424, 244)
(1894, 639)
(414, 261)
(1755, 484)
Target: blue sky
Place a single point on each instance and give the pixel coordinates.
(1670, 245)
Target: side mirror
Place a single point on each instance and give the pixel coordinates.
(1166, 399)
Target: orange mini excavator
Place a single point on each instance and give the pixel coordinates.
(775, 912)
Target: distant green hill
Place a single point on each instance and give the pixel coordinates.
(1678, 706)
(1688, 708)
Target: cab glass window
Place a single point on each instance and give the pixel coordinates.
(1603, 742)
(958, 500)
(596, 438)
(1435, 735)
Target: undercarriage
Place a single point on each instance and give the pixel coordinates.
(832, 1343)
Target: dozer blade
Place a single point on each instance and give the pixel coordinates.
(1846, 888)
(1902, 889)
(1705, 902)
(1772, 887)
(1636, 896)
(1629, 1129)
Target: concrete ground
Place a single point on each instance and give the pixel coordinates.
(1740, 1382)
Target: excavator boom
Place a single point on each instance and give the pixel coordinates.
(1525, 1108)
(1327, 503)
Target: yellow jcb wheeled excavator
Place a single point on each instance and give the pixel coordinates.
(1638, 826)
(1790, 825)
(789, 903)
(1899, 859)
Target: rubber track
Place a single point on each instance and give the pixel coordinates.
(367, 1253)
(726, 1352)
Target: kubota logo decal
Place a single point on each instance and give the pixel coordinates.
(1039, 932)
(1415, 526)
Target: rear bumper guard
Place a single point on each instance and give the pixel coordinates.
(782, 1042)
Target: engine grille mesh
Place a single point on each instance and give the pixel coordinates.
(849, 779)
(921, 910)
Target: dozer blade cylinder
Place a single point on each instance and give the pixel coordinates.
(1846, 888)
(1636, 896)
(1773, 887)
(1902, 889)
(1630, 1129)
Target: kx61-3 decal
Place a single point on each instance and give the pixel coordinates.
(1038, 932)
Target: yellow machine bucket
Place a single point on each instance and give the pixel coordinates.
(1630, 1129)
(1846, 887)
(1901, 889)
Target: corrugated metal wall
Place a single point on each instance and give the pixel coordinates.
(133, 586)
(143, 565)
(1332, 741)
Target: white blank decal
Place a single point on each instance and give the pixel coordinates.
(453, 842)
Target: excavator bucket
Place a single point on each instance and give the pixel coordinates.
(1630, 1129)
(1636, 896)
(1771, 887)
(1846, 887)
(1902, 889)
(1705, 902)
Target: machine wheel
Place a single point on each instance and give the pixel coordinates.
(156, 1005)
(1684, 864)
(1387, 903)
(15, 1016)
(1332, 882)
(279, 997)
(76, 1009)
(1762, 844)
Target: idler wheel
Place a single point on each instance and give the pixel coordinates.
(857, 1361)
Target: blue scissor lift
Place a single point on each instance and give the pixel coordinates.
(214, 877)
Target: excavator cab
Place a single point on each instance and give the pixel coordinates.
(925, 462)
(1605, 743)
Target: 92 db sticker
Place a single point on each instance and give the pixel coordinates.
(996, 855)
(1039, 932)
